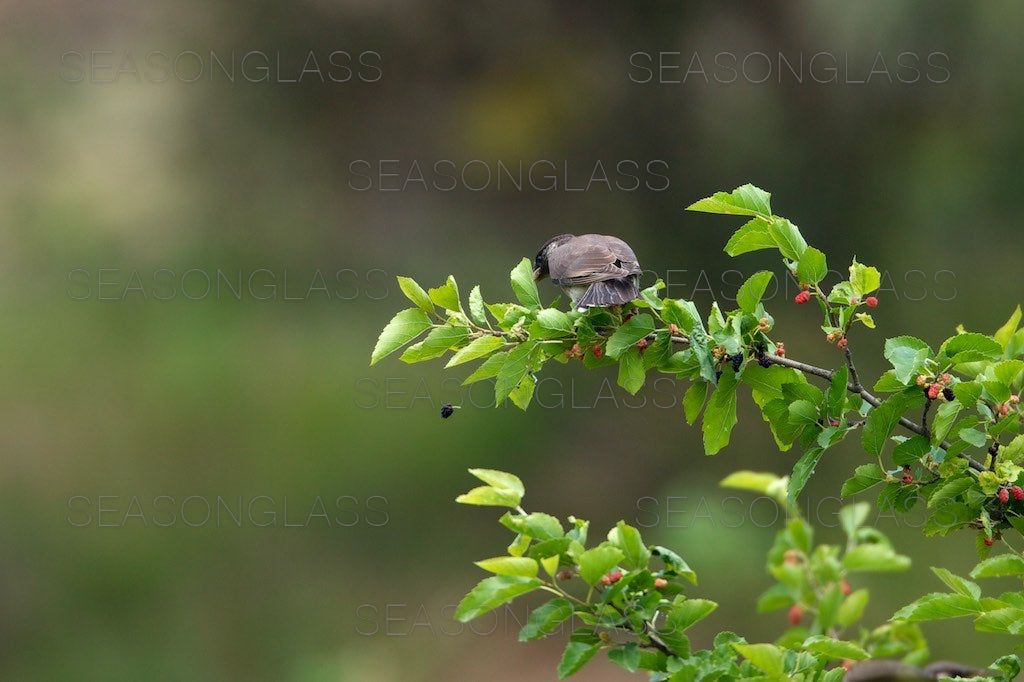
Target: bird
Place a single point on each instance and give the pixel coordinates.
(595, 270)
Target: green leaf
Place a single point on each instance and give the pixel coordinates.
(911, 450)
(596, 562)
(802, 471)
(937, 606)
(864, 476)
(513, 370)
(523, 284)
(693, 400)
(768, 658)
(768, 381)
(658, 353)
(763, 483)
(973, 436)
(803, 412)
(753, 236)
(744, 200)
(948, 517)
(907, 355)
(686, 613)
(545, 619)
(1009, 664)
(576, 655)
(438, 342)
(491, 593)
(972, 347)
(1006, 332)
(720, 414)
(650, 295)
(788, 238)
(811, 268)
(537, 525)
(852, 608)
(752, 290)
(628, 657)
(682, 314)
(403, 328)
(510, 565)
(550, 563)
(674, 563)
(883, 419)
(446, 295)
(635, 554)
(834, 648)
(522, 394)
(501, 479)
(631, 370)
(626, 336)
(415, 293)
(488, 368)
(1008, 372)
(552, 323)
(875, 558)
(487, 496)
(865, 319)
(950, 489)
(958, 584)
(519, 546)
(477, 307)
(888, 383)
(853, 516)
(480, 347)
(778, 596)
(1008, 621)
(1001, 565)
(943, 420)
(864, 279)
(836, 396)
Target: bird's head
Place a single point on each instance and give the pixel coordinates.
(540, 263)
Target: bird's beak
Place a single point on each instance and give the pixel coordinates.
(536, 274)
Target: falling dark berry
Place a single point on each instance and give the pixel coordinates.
(447, 410)
(948, 394)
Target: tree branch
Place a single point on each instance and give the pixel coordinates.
(853, 386)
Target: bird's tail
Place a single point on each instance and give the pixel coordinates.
(610, 292)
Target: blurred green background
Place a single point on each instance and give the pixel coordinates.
(200, 226)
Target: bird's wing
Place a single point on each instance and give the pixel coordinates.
(592, 258)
